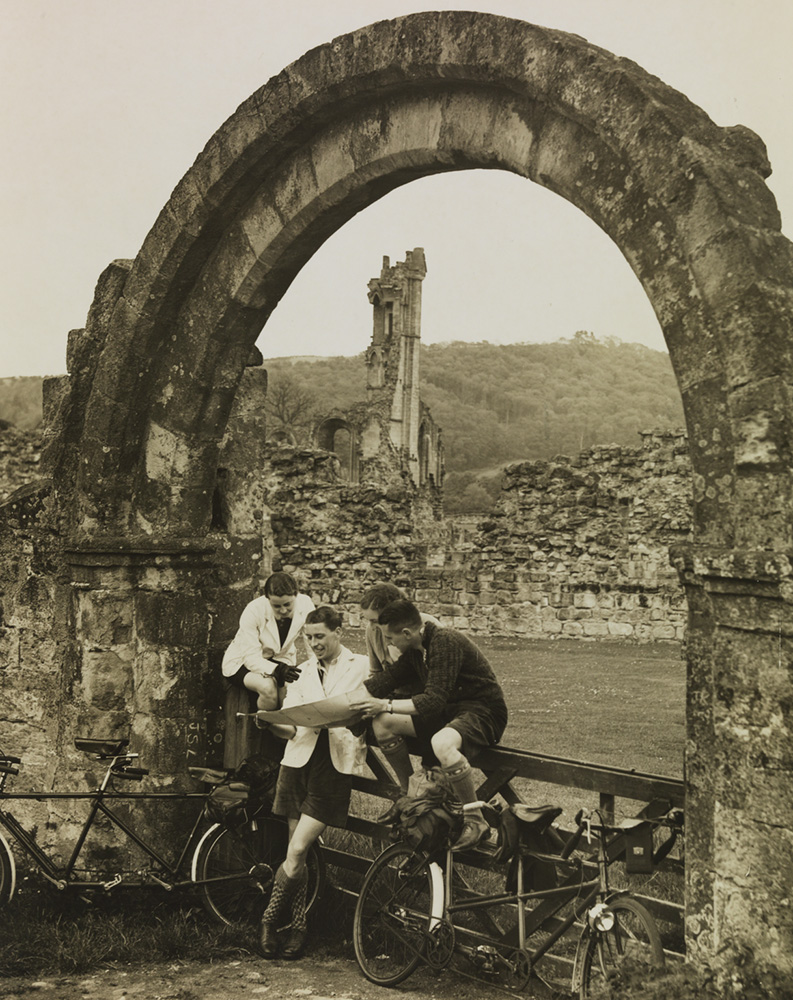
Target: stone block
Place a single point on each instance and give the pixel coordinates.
(620, 629)
(171, 619)
(107, 680)
(596, 628)
(105, 616)
(663, 632)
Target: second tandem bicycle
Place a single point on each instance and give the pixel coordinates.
(232, 866)
(417, 908)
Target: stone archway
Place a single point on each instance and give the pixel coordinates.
(339, 436)
(154, 377)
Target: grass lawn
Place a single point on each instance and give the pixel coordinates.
(605, 702)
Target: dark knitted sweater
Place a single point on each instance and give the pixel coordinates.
(453, 670)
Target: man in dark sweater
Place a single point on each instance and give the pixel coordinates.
(459, 710)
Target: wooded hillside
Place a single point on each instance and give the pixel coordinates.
(503, 403)
(495, 403)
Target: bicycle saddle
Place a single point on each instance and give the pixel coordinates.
(102, 748)
(210, 775)
(540, 816)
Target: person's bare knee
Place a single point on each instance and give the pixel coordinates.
(383, 726)
(446, 745)
(266, 691)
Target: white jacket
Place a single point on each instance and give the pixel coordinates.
(347, 752)
(257, 642)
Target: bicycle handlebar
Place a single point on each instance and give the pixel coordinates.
(131, 773)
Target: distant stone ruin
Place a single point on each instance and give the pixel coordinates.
(392, 433)
(576, 548)
(124, 569)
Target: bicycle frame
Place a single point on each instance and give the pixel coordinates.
(63, 876)
(528, 923)
(584, 893)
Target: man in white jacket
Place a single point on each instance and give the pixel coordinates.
(315, 780)
(262, 655)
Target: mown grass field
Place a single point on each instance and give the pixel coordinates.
(613, 703)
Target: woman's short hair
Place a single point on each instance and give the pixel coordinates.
(280, 585)
(381, 594)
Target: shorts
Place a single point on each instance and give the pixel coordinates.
(479, 728)
(316, 789)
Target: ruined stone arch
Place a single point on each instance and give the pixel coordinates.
(375, 368)
(682, 198)
(154, 376)
(326, 437)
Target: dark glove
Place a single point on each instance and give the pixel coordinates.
(284, 674)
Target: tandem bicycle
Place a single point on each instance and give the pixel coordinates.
(230, 865)
(418, 908)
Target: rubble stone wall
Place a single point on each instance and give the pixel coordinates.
(20, 457)
(577, 548)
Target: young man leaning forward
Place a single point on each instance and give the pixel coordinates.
(315, 779)
(459, 709)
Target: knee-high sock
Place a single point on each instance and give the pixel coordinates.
(397, 755)
(299, 902)
(284, 888)
(461, 776)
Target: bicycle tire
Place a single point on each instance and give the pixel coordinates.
(392, 915)
(634, 939)
(7, 872)
(257, 847)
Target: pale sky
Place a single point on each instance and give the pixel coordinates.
(106, 104)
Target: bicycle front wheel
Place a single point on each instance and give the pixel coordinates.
(633, 941)
(237, 868)
(392, 916)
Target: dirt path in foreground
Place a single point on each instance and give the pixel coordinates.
(307, 979)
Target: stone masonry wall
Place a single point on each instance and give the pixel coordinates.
(337, 539)
(577, 548)
(20, 456)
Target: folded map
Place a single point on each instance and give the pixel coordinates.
(330, 712)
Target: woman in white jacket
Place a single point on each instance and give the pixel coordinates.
(262, 655)
(315, 780)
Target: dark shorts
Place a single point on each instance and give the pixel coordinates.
(478, 727)
(317, 789)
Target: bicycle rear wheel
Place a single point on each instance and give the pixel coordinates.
(633, 942)
(244, 861)
(392, 915)
(7, 872)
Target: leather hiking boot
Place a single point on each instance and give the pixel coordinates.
(268, 940)
(295, 943)
(474, 832)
